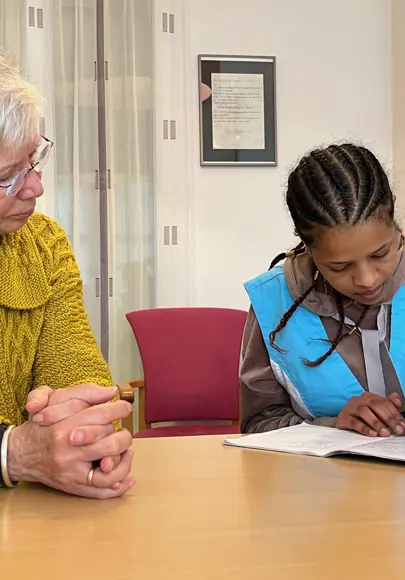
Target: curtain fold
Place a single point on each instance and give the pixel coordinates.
(129, 104)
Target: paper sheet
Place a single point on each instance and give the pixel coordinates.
(392, 448)
(237, 111)
(305, 439)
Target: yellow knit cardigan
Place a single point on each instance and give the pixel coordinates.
(46, 338)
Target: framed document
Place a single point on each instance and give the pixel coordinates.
(237, 110)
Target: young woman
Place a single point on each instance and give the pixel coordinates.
(324, 339)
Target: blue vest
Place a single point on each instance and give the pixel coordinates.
(323, 390)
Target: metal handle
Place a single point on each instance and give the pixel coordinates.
(165, 129)
(172, 129)
(175, 239)
(40, 18)
(171, 23)
(164, 21)
(110, 287)
(166, 235)
(97, 287)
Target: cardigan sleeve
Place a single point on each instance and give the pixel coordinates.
(67, 352)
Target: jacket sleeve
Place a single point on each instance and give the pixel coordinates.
(67, 353)
(266, 405)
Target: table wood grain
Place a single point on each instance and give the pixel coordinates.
(203, 511)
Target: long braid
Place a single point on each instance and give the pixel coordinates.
(336, 186)
(362, 316)
(289, 314)
(339, 335)
(300, 249)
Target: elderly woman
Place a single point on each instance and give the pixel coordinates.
(61, 437)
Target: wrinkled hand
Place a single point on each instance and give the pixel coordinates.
(50, 454)
(47, 406)
(372, 415)
(67, 401)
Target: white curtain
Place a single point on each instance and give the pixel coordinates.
(58, 54)
(72, 38)
(129, 99)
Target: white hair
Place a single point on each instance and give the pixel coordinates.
(19, 105)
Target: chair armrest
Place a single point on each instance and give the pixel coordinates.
(137, 384)
(126, 391)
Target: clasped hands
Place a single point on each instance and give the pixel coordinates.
(67, 430)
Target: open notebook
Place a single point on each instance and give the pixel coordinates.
(307, 439)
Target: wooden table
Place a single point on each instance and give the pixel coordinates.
(202, 511)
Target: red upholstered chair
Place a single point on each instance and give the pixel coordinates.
(190, 360)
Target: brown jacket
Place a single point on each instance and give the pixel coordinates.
(266, 405)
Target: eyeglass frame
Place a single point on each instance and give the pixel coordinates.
(24, 172)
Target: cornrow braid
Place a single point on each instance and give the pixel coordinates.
(340, 185)
(336, 186)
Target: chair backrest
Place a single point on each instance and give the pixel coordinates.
(190, 360)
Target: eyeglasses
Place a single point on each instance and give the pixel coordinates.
(40, 157)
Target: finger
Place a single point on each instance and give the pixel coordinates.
(395, 400)
(389, 415)
(89, 392)
(355, 424)
(38, 399)
(114, 444)
(102, 414)
(107, 464)
(94, 492)
(55, 413)
(90, 434)
(117, 475)
(367, 416)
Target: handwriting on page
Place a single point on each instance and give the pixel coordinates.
(393, 448)
(304, 439)
(318, 440)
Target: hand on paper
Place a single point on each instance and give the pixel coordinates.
(372, 415)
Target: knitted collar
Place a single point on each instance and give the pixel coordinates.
(23, 281)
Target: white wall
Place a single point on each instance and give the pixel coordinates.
(333, 82)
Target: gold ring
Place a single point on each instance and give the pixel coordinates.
(90, 476)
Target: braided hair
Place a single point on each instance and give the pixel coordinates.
(334, 186)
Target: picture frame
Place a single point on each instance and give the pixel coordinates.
(237, 100)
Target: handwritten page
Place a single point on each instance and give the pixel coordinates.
(237, 111)
(392, 448)
(305, 439)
